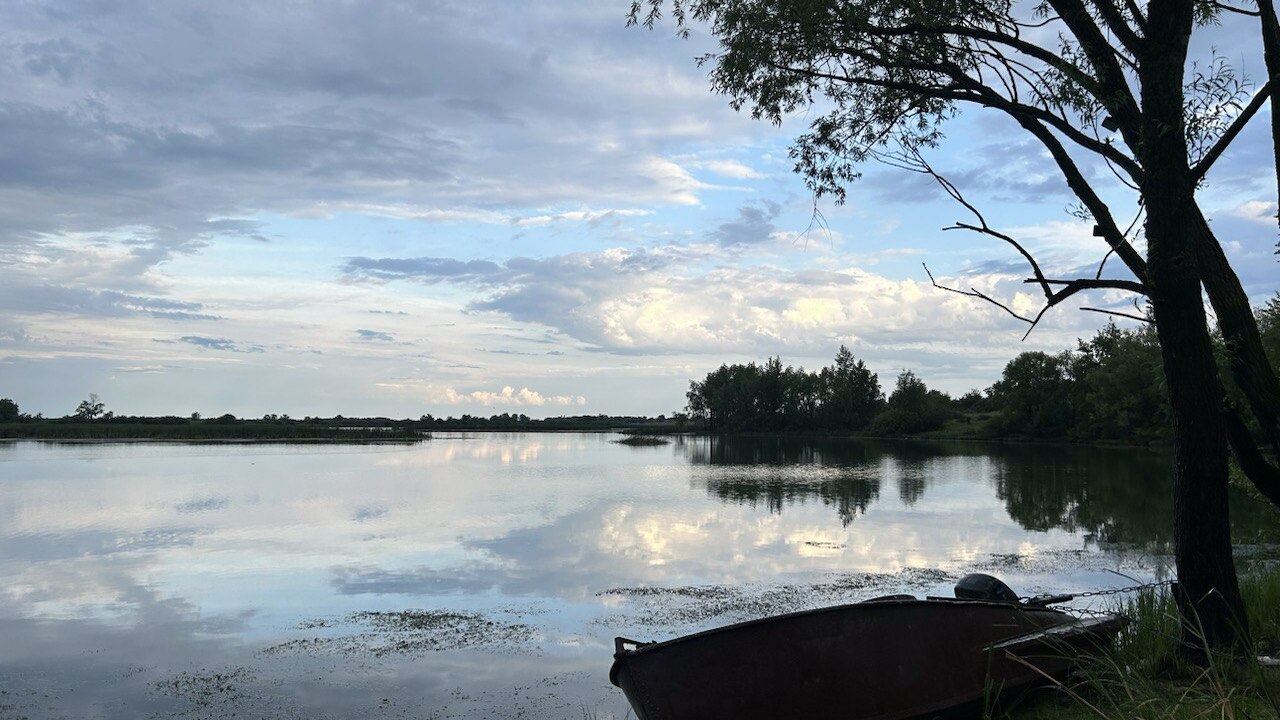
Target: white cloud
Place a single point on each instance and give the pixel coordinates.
(732, 168)
(508, 396)
(588, 216)
(1259, 211)
(675, 300)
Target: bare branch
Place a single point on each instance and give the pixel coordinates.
(973, 292)
(1093, 284)
(1131, 316)
(1083, 190)
(982, 227)
(967, 89)
(1234, 9)
(1138, 18)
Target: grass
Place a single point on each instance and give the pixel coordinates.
(1143, 675)
(642, 440)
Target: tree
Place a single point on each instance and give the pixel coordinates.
(1269, 328)
(1118, 373)
(1036, 395)
(9, 411)
(90, 409)
(912, 407)
(852, 396)
(1112, 93)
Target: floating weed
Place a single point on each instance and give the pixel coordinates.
(410, 631)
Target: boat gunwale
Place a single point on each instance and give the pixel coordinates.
(620, 656)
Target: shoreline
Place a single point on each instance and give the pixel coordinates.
(1153, 446)
(217, 441)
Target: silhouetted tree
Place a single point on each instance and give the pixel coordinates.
(9, 411)
(852, 396)
(90, 409)
(1037, 395)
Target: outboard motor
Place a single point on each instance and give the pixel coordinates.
(978, 586)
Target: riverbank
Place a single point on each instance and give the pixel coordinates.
(1143, 675)
(211, 431)
(946, 434)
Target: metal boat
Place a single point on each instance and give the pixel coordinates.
(885, 659)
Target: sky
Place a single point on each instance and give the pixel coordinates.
(393, 208)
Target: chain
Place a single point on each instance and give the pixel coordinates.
(1082, 612)
(1117, 591)
(1100, 593)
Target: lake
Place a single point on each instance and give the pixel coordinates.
(483, 575)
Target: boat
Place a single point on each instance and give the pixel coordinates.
(889, 658)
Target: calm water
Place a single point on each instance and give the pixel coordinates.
(274, 580)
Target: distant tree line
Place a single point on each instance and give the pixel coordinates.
(91, 420)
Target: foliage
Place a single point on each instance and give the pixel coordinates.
(1123, 385)
(90, 409)
(1110, 388)
(9, 411)
(1035, 395)
(1268, 317)
(912, 408)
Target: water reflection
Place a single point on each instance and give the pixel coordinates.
(1109, 495)
(123, 568)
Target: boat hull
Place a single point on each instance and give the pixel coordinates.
(870, 661)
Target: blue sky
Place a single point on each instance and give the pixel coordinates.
(476, 207)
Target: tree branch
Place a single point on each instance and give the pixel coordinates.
(1101, 213)
(1094, 284)
(1117, 313)
(967, 89)
(1264, 476)
(1115, 22)
(1201, 168)
(1117, 96)
(973, 292)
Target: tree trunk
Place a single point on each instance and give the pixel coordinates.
(1247, 359)
(1213, 611)
(1271, 56)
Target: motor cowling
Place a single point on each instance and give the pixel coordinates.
(979, 586)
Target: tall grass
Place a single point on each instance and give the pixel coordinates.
(1143, 675)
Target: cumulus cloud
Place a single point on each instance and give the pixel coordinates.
(508, 396)
(1259, 211)
(678, 300)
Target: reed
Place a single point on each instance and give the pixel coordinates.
(1144, 676)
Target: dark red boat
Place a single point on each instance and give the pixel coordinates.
(885, 659)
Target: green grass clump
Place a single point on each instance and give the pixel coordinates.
(1144, 676)
(642, 441)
